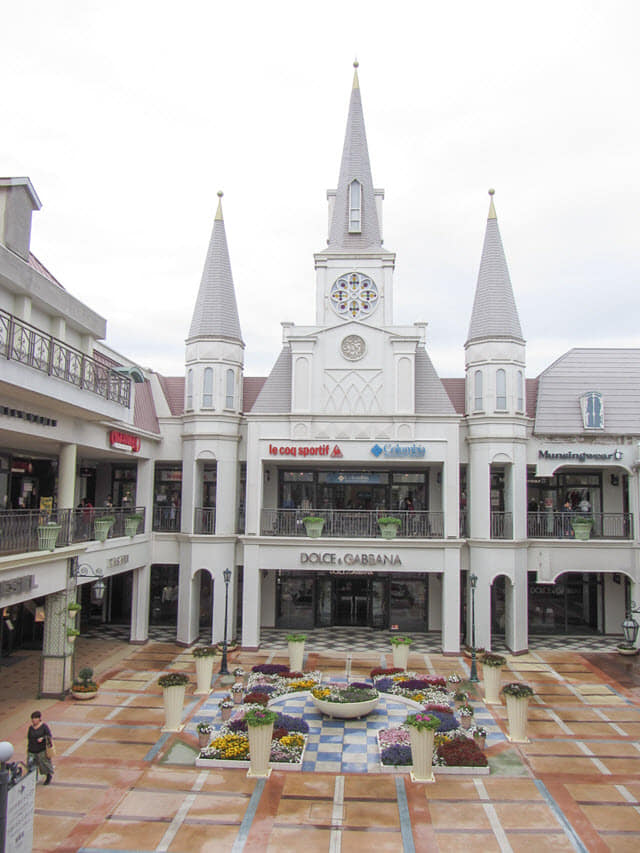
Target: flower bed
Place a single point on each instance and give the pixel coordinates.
(453, 754)
(281, 682)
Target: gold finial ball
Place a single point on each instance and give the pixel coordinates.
(356, 63)
(492, 191)
(220, 193)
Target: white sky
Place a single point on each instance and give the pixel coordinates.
(129, 116)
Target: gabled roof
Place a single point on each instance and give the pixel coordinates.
(275, 396)
(494, 313)
(355, 166)
(216, 313)
(455, 387)
(431, 396)
(38, 266)
(251, 387)
(614, 373)
(144, 410)
(173, 389)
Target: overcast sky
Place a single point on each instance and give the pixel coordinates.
(129, 116)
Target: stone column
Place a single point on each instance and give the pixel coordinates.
(56, 674)
(67, 476)
(144, 491)
(479, 492)
(451, 602)
(140, 594)
(251, 604)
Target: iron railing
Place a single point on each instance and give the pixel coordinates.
(501, 525)
(352, 523)
(204, 520)
(24, 343)
(21, 530)
(166, 519)
(557, 525)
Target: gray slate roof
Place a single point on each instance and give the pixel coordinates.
(355, 165)
(216, 311)
(275, 396)
(615, 373)
(431, 396)
(494, 307)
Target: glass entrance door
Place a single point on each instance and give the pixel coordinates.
(351, 600)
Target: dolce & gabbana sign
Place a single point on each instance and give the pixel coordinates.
(332, 559)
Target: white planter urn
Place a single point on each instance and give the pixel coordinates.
(401, 655)
(296, 655)
(173, 698)
(260, 750)
(422, 741)
(492, 676)
(204, 674)
(517, 708)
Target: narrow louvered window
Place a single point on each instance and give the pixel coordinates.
(520, 391)
(230, 389)
(189, 401)
(355, 208)
(207, 388)
(477, 390)
(501, 389)
(592, 410)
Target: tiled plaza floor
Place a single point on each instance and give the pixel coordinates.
(123, 785)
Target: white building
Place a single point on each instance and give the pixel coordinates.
(485, 474)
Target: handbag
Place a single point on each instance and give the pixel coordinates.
(50, 749)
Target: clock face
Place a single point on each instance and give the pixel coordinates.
(354, 296)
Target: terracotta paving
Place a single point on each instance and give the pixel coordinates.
(123, 785)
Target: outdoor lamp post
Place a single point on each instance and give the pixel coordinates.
(473, 582)
(223, 664)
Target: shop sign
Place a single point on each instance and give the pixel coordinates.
(122, 560)
(17, 585)
(31, 417)
(305, 450)
(332, 559)
(124, 441)
(394, 450)
(20, 806)
(581, 455)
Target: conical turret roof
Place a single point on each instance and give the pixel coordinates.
(216, 313)
(355, 166)
(494, 312)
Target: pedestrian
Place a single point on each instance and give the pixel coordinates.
(39, 738)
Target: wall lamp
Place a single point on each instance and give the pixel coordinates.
(84, 570)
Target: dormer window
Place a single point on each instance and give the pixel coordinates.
(592, 410)
(355, 207)
(207, 388)
(501, 389)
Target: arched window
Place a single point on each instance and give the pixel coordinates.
(477, 390)
(520, 401)
(207, 388)
(355, 207)
(189, 401)
(230, 389)
(592, 410)
(501, 389)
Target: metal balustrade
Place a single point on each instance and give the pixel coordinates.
(352, 523)
(166, 519)
(204, 520)
(19, 527)
(28, 345)
(501, 525)
(557, 525)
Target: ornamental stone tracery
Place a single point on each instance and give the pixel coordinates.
(353, 347)
(354, 296)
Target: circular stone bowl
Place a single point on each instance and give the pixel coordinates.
(345, 710)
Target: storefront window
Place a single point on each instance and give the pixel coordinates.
(167, 496)
(163, 607)
(123, 487)
(408, 603)
(295, 601)
(570, 605)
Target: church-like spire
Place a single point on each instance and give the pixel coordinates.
(216, 313)
(494, 312)
(354, 225)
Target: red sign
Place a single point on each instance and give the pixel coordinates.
(124, 441)
(304, 450)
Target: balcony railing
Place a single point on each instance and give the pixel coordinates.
(19, 341)
(204, 520)
(352, 523)
(19, 527)
(557, 525)
(166, 519)
(501, 525)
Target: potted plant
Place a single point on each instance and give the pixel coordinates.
(204, 656)
(237, 690)
(460, 698)
(72, 633)
(345, 703)
(480, 736)
(173, 686)
(466, 713)
(313, 525)
(84, 687)
(131, 523)
(517, 695)
(389, 527)
(422, 729)
(226, 707)
(260, 728)
(73, 607)
(400, 647)
(581, 525)
(48, 535)
(296, 651)
(627, 649)
(239, 674)
(204, 733)
(491, 672)
(102, 526)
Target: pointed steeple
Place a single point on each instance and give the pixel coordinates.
(354, 225)
(216, 313)
(494, 312)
